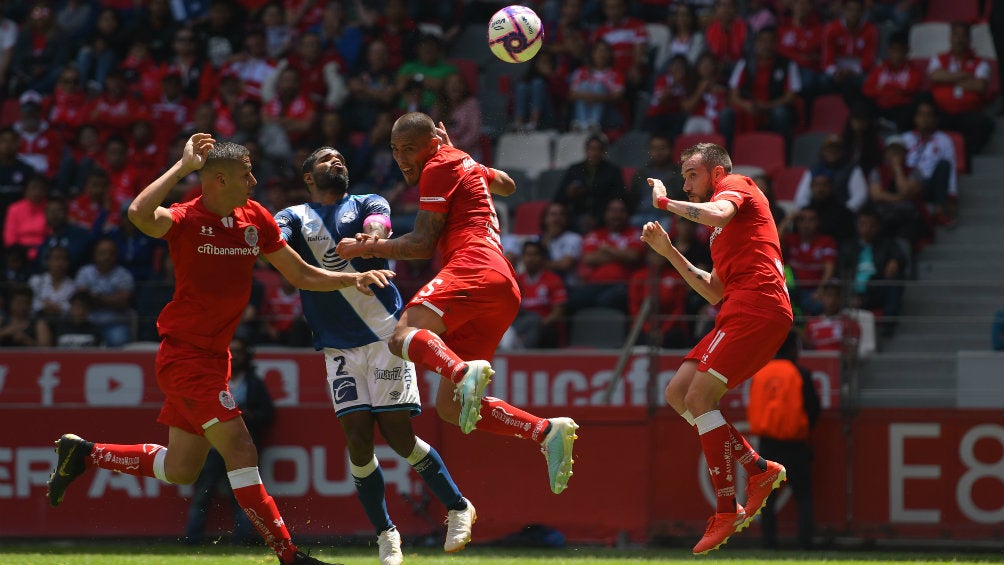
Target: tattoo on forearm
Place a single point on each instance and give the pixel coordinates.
(420, 243)
(693, 212)
(703, 275)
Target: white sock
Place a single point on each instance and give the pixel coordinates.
(688, 417)
(419, 452)
(366, 470)
(709, 421)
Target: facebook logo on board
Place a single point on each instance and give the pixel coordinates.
(344, 390)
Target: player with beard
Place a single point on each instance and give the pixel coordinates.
(366, 383)
(455, 323)
(214, 241)
(752, 323)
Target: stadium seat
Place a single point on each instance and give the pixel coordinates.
(548, 184)
(786, 182)
(829, 113)
(761, 149)
(684, 142)
(527, 218)
(961, 157)
(805, 148)
(983, 42)
(598, 327)
(524, 187)
(928, 39)
(952, 11)
(570, 148)
(469, 70)
(11, 111)
(528, 151)
(471, 43)
(866, 320)
(631, 150)
(751, 171)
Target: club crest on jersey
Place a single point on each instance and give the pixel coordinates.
(227, 400)
(251, 235)
(348, 216)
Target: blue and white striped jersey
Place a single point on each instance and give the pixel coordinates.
(346, 318)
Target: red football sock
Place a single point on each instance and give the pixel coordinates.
(716, 442)
(747, 457)
(427, 349)
(262, 511)
(136, 459)
(501, 418)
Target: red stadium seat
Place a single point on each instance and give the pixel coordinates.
(786, 182)
(829, 113)
(761, 149)
(527, 221)
(11, 111)
(627, 174)
(961, 158)
(952, 11)
(683, 142)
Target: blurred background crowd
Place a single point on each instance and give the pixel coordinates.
(855, 118)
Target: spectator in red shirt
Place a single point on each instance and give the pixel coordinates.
(897, 194)
(291, 109)
(662, 283)
(832, 329)
(850, 46)
(122, 177)
(727, 34)
(114, 108)
(707, 99)
(66, 113)
(762, 90)
(38, 145)
(252, 63)
(610, 254)
(596, 92)
(665, 114)
(812, 257)
(197, 74)
(282, 315)
(96, 209)
(541, 318)
(144, 154)
(800, 39)
(893, 84)
(959, 82)
(322, 74)
(397, 31)
(24, 221)
(628, 38)
(39, 52)
(172, 111)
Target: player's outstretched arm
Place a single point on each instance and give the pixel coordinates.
(145, 211)
(503, 185)
(420, 243)
(708, 285)
(716, 214)
(308, 277)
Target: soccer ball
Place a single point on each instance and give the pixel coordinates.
(515, 34)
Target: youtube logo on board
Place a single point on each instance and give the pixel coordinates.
(113, 384)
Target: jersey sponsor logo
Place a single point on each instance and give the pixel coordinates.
(251, 236)
(348, 217)
(210, 249)
(207, 231)
(322, 237)
(227, 400)
(467, 163)
(432, 199)
(281, 220)
(332, 261)
(344, 390)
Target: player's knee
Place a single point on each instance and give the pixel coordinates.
(359, 441)
(675, 394)
(396, 342)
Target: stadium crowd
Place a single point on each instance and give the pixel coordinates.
(856, 142)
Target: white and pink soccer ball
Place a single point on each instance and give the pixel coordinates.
(515, 34)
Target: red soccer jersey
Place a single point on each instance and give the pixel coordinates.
(808, 259)
(541, 293)
(847, 49)
(213, 261)
(889, 87)
(953, 99)
(829, 333)
(611, 271)
(802, 44)
(622, 38)
(727, 44)
(746, 252)
(454, 184)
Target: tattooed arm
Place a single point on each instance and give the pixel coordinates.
(715, 214)
(420, 243)
(706, 284)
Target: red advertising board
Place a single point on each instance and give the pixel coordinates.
(913, 473)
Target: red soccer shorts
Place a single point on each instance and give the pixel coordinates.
(477, 306)
(195, 384)
(745, 337)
